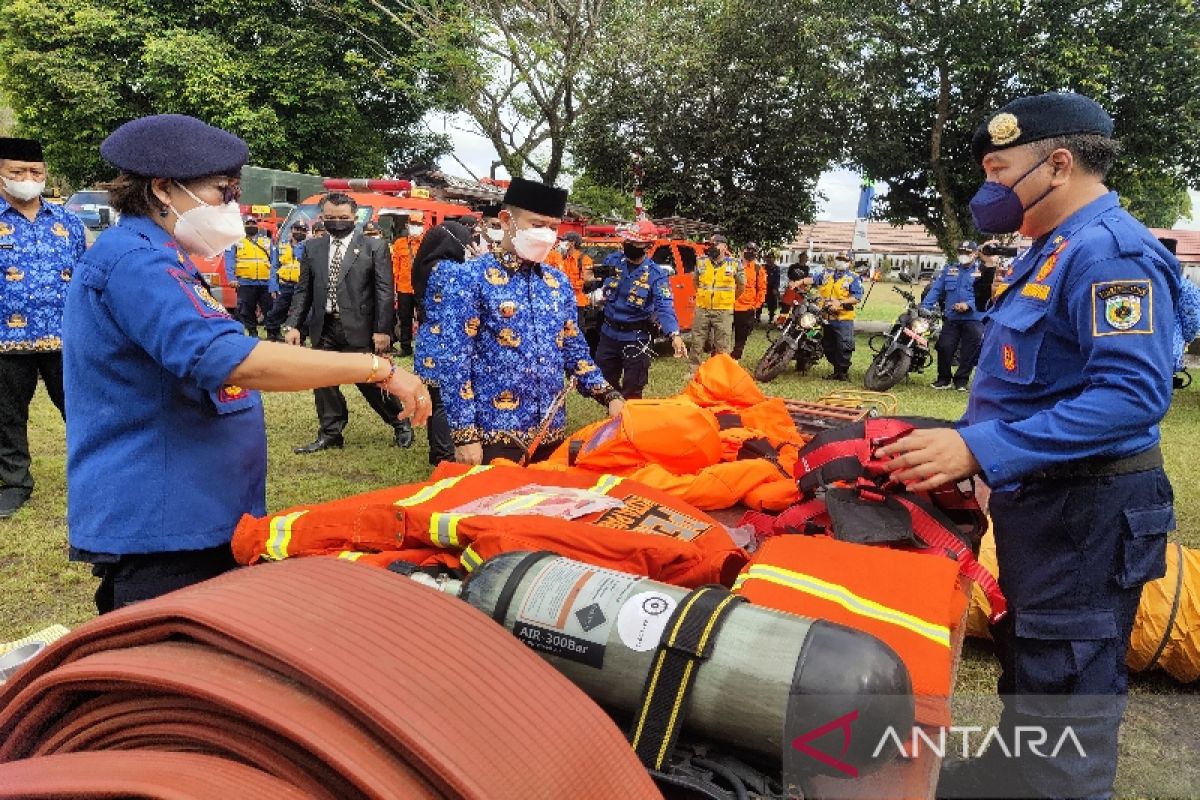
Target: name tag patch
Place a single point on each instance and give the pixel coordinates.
(1120, 307)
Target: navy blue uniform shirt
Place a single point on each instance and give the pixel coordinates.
(639, 293)
(953, 285)
(1076, 358)
(162, 453)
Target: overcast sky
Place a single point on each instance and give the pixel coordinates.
(840, 187)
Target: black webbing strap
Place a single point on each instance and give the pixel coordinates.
(690, 636)
(1166, 637)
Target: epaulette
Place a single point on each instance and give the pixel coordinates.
(1128, 242)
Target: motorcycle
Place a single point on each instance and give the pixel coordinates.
(905, 348)
(797, 335)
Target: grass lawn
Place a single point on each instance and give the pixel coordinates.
(38, 586)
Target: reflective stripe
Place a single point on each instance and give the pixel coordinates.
(846, 599)
(443, 528)
(470, 560)
(350, 555)
(434, 489)
(522, 503)
(281, 535)
(606, 484)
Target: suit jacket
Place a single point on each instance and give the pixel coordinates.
(366, 294)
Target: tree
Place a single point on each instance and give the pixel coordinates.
(516, 67)
(309, 90)
(601, 200)
(932, 71)
(733, 113)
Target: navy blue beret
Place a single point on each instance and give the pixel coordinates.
(174, 146)
(1042, 116)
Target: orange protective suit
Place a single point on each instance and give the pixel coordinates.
(645, 532)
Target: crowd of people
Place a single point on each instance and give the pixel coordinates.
(166, 440)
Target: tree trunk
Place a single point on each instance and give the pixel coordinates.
(951, 232)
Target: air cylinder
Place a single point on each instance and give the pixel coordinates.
(802, 695)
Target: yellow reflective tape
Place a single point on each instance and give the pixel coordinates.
(654, 675)
(281, 535)
(431, 491)
(350, 555)
(522, 502)
(443, 528)
(840, 595)
(470, 560)
(606, 484)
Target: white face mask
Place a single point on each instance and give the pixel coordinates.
(495, 234)
(415, 230)
(534, 244)
(564, 247)
(24, 190)
(965, 258)
(208, 230)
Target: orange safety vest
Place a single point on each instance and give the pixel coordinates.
(755, 293)
(573, 265)
(403, 251)
(911, 601)
(647, 533)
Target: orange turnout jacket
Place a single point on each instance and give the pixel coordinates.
(908, 600)
(464, 515)
(720, 443)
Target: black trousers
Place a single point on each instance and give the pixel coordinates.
(743, 324)
(18, 381)
(441, 446)
(625, 365)
(771, 304)
(331, 403)
(838, 344)
(279, 310)
(405, 306)
(514, 452)
(131, 579)
(964, 337)
(250, 301)
(590, 319)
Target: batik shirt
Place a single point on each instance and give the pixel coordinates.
(37, 259)
(503, 336)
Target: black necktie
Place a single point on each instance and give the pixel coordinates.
(335, 272)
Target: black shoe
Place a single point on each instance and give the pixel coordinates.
(961, 388)
(838, 376)
(11, 502)
(322, 443)
(940, 384)
(404, 436)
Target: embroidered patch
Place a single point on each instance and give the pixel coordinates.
(1122, 307)
(230, 392)
(205, 303)
(1039, 291)
(1010, 357)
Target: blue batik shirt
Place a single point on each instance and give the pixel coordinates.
(502, 334)
(37, 259)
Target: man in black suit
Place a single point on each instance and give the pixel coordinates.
(356, 317)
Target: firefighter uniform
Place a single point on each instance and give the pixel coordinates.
(718, 283)
(839, 284)
(962, 331)
(747, 304)
(404, 248)
(1073, 380)
(249, 263)
(637, 304)
(285, 274)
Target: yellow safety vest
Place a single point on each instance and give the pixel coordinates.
(716, 284)
(252, 262)
(289, 265)
(835, 287)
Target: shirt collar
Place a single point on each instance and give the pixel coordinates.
(52, 209)
(149, 230)
(1080, 218)
(514, 263)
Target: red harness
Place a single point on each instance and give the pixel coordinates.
(847, 493)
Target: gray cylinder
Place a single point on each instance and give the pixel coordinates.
(772, 676)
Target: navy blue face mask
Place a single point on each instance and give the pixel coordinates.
(996, 208)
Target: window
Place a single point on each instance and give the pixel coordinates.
(687, 255)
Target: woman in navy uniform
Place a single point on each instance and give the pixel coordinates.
(1062, 423)
(637, 304)
(166, 445)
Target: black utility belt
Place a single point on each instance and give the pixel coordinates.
(1100, 466)
(632, 327)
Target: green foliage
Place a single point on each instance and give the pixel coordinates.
(313, 88)
(1158, 200)
(734, 113)
(931, 72)
(601, 200)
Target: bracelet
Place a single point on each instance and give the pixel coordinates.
(374, 369)
(383, 381)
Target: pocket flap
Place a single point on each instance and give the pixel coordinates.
(1021, 314)
(1066, 625)
(1151, 520)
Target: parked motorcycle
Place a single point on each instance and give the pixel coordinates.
(905, 348)
(796, 336)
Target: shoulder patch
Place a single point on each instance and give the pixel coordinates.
(201, 298)
(1120, 307)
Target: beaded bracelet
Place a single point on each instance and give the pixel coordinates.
(374, 369)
